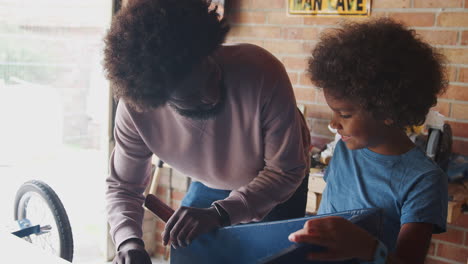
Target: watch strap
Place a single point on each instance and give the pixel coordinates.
(225, 220)
(380, 253)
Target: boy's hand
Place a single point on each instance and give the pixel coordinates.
(341, 238)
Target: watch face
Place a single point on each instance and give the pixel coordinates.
(380, 255)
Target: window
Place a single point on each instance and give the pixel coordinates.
(54, 109)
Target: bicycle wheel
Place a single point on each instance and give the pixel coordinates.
(37, 202)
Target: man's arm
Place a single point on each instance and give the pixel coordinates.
(285, 153)
(130, 168)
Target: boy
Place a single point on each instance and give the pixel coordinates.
(378, 78)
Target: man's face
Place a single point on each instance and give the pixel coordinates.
(357, 127)
(201, 94)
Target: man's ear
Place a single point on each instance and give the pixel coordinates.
(388, 122)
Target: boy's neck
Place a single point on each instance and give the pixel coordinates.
(395, 142)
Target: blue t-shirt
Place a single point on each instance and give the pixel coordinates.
(409, 187)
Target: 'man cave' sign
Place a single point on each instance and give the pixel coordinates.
(330, 7)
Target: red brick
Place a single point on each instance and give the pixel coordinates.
(305, 80)
(293, 77)
(461, 221)
(292, 33)
(308, 46)
(443, 108)
(161, 250)
(310, 33)
(452, 252)
(295, 63)
(320, 96)
(459, 130)
(305, 94)
(439, 37)
(415, 19)
(245, 17)
(177, 195)
(456, 92)
(437, 3)
(466, 238)
(459, 111)
(453, 19)
(161, 192)
(319, 111)
(431, 250)
(270, 4)
(300, 33)
(175, 204)
(256, 31)
(159, 231)
(320, 127)
(464, 38)
(322, 20)
(463, 75)
(430, 260)
(283, 47)
(231, 40)
(320, 142)
(160, 225)
(377, 14)
(391, 3)
(282, 19)
(452, 235)
(460, 147)
(451, 73)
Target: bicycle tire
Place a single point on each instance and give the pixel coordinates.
(433, 143)
(56, 208)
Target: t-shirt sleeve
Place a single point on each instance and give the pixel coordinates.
(425, 200)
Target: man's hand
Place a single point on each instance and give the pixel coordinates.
(341, 238)
(189, 222)
(132, 252)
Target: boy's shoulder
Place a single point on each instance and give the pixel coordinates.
(413, 162)
(416, 165)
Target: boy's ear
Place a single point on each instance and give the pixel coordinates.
(388, 122)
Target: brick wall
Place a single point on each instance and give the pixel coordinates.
(171, 188)
(452, 246)
(443, 23)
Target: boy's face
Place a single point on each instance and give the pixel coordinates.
(357, 127)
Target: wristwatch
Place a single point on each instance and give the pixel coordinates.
(224, 218)
(380, 253)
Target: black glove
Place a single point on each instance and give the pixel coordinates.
(132, 251)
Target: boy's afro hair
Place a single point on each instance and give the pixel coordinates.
(153, 43)
(382, 66)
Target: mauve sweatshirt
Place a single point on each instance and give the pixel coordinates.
(256, 146)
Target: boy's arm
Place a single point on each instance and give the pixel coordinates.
(344, 240)
(412, 243)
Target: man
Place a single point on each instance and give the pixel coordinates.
(224, 115)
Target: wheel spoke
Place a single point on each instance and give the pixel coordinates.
(39, 213)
